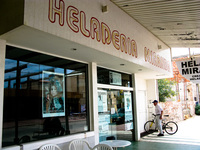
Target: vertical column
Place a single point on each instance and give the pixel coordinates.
(136, 133)
(94, 102)
(2, 68)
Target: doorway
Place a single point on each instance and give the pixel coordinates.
(115, 114)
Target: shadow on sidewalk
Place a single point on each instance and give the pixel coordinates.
(188, 134)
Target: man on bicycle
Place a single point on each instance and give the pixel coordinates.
(159, 113)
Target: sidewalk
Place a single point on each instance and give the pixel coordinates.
(187, 138)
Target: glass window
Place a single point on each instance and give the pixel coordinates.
(110, 77)
(115, 114)
(44, 97)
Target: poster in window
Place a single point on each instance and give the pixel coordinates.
(102, 101)
(128, 106)
(53, 98)
(115, 78)
(104, 118)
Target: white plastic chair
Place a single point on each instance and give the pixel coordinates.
(49, 147)
(102, 147)
(79, 144)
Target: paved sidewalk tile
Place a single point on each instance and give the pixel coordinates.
(187, 138)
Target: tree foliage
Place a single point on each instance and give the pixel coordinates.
(197, 109)
(165, 89)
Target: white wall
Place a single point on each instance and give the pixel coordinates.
(152, 94)
(142, 109)
(146, 92)
(37, 16)
(141, 103)
(94, 102)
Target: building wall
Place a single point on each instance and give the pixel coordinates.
(141, 102)
(37, 16)
(146, 93)
(152, 95)
(40, 33)
(94, 102)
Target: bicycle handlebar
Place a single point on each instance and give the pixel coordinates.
(164, 115)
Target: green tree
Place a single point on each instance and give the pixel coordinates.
(165, 89)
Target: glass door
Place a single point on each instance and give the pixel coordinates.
(115, 114)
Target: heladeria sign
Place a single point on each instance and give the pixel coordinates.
(190, 69)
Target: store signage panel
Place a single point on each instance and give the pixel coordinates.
(101, 32)
(155, 59)
(190, 69)
(115, 78)
(75, 22)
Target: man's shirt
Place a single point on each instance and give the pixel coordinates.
(158, 109)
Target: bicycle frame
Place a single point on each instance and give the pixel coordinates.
(170, 127)
(152, 123)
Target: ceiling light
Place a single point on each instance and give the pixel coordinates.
(125, 5)
(74, 49)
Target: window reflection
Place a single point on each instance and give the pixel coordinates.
(23, 97)
(106, 76)
(115, 113)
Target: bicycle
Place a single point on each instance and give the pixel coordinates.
(170, 127)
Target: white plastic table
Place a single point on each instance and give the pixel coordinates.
(116, 143)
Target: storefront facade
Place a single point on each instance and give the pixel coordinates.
(90, 73)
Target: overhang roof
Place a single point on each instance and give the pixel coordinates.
(175, 22)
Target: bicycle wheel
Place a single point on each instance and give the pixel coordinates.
(171, 127)
(149, 127)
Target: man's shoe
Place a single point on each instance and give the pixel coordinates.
(160, 134)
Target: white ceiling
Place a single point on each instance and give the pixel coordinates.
(175, 22)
